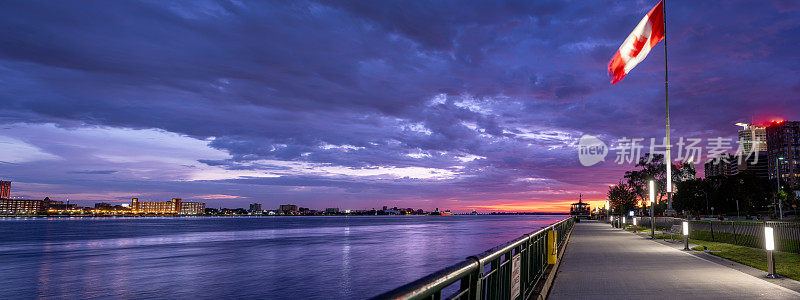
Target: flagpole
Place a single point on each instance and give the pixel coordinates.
(668, 156)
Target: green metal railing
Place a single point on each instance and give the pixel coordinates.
(742, 233)
(489, 274)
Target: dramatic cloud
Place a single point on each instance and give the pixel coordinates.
(360, 104)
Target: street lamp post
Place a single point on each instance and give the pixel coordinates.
(652, 214)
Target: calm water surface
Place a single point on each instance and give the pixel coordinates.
(242, 257)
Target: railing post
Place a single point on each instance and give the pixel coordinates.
(473, 280)
(437, 295)
(552, 254)
(475, 292)
(711, 224)
(526, 267)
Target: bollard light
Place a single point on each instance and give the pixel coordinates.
(769, 245)
(685, 228)
(686, 236)
(770, 239)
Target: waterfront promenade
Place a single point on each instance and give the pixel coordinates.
(602, 262)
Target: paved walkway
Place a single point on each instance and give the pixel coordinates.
(602, 262)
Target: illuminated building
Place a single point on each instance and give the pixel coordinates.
(175, 206)
(255, 207)
(22, 206)
(752, 138)
(783, 142)
(168, 207)
(5, 189)
(192, 208)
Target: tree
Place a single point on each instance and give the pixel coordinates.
(621, 197)
(683, 171)
(691, 196)
(653, 167)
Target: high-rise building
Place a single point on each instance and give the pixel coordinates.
(783, 142)
(255, 206)
(5, 189)
(725, 165)
(755, 163)
(752, 138)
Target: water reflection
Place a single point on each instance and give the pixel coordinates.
(262, 257)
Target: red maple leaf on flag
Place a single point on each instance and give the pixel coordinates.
(638, 44)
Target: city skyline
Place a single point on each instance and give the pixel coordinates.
(359, 105)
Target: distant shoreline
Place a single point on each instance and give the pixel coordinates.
(195, 216)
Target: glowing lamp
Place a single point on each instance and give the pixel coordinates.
(652, 191)
(769, 239)
(623, 219)
(634, 221)
(685, 228)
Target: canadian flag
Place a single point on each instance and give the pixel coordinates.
(644, 37)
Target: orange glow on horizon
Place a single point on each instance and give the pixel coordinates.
(556, 206)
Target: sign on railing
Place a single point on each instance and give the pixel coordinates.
(516, 262)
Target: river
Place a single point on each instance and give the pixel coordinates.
(351, 257)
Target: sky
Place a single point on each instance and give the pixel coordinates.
(458, 105)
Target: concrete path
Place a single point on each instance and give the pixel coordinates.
(602, 262)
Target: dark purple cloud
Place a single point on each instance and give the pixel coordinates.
(352, 104)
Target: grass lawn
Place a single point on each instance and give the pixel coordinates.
(786, 264)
